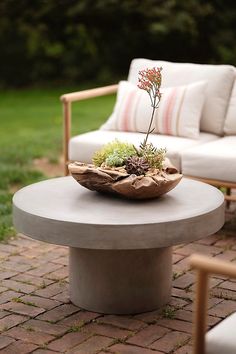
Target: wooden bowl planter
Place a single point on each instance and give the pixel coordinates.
(117, 181)
(144, 172)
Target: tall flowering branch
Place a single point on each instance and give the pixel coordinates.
(150, 81)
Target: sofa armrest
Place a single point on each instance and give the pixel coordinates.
(66, 100)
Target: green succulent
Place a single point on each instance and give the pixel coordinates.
(114, 160)
(154, 156)
(136, 165)
(114, 154)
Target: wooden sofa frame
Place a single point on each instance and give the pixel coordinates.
(67, 100)
(205, 266)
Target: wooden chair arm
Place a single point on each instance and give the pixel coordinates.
(205, 266)
(67, 99)
(85, 94)
(212, 266)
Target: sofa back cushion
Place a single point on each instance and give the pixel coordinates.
(178, 113)
(230, 122)
(220, 80)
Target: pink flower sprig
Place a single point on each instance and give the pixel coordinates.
(150, 81)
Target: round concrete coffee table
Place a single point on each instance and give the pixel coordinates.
(120, 250)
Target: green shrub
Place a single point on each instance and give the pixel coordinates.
(78, 41)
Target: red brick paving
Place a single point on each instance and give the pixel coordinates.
(29, 336)
(171, 341)
(68, 341)
(5, 341)
(36, 315)
(148, 335)
(19, 347)
(93, 345)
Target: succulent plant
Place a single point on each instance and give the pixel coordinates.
(154, 156)
(114, 160)
(136, 165)
(114, 154)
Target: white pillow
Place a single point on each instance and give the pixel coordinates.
(220, 79)
(178, 114)
(230, 122)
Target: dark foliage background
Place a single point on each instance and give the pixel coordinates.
(73, 41)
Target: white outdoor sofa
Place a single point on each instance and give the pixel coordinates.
(210, 158)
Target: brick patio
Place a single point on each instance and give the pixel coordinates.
(37, 317)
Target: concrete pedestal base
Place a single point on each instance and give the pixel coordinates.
(120, 281)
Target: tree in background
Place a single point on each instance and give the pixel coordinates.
(71, 41)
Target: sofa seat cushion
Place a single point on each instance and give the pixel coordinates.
(230, 121)
(82, 147)
(214, 160)
(178, 114)
(220, 80)
(221, 338)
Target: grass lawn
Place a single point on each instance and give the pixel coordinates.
(30, 128)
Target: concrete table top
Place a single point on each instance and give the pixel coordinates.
(61, 211)
(120, 254)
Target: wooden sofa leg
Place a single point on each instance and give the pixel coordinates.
(228, 192)
(66, 170)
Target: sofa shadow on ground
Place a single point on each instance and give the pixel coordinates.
(196, 120)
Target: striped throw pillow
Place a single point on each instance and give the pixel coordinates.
(178, 114)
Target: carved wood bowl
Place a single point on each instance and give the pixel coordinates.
(118, 182)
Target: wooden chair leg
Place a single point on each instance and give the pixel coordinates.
(67, 132)
(201, 312)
